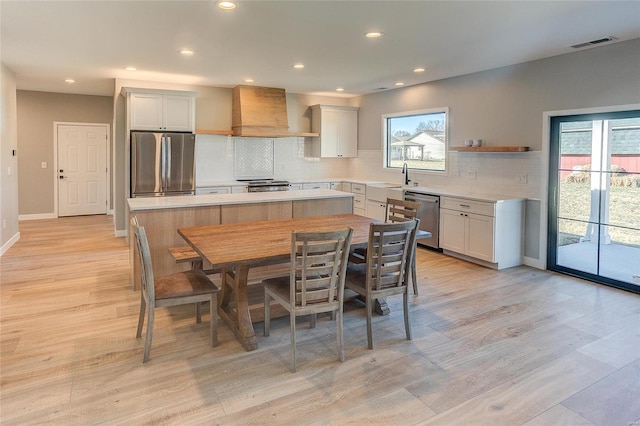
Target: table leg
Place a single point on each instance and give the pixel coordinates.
(234, 306)
(381, 307)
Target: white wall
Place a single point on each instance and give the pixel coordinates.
(9, 232)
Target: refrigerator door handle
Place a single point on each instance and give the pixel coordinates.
(163, 163)
(169, 154)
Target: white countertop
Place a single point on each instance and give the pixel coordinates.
(152, 203)
(420, 189)
(444, 193)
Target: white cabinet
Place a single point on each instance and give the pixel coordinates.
(359, 192)
(377, 210)
(162, 112)
(295, 186)
(338, 128)
(213, 190)
(236, 189)
(316, 185)
(488, 231)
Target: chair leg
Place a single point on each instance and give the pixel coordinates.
(339, 334)
(407, 314)
(267, 314)
(370, 305)
(213, 307)
(292, 320)
(413, 272)
(149, 336)
(143, 306)
(198, 312)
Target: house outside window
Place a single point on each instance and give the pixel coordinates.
(418, 138)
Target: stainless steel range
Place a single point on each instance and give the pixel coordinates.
(266, 185)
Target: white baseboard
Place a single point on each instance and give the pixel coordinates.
(121, 233)
(534, 263)
(37, 216)
(9, 243)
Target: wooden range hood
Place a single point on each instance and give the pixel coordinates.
(260, 112)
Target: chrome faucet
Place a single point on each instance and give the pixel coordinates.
(405, 172)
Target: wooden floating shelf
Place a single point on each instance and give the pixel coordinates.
(490, 148)
(256, 135)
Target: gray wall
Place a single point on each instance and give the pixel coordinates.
(37, 111)
(504, 106)
(8, 142)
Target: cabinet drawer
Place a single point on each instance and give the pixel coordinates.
(319, 185)
(213, 190)
(357, 188)
(359, 202)
(471, 206)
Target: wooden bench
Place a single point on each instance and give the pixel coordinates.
(186, 254)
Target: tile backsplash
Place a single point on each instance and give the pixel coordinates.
(507, 174)
(215, 160)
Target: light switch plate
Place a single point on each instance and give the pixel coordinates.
(43, 164)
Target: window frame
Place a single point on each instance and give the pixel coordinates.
(385, 141)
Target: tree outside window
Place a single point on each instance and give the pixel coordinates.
(418, 138)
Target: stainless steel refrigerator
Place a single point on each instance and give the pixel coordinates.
(162, 164)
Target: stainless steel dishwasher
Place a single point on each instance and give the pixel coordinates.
(430, 218)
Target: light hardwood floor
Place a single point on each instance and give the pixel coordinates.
(515, 347)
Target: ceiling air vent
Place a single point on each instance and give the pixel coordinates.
(594, 42)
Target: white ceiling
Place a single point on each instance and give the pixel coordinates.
(45, 42)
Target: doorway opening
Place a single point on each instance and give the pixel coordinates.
(594, 197)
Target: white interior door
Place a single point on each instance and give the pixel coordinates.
(82, 170)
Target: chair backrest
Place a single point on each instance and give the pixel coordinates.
(402, 210)
(144, 257)
(318, 266)
(388, 253)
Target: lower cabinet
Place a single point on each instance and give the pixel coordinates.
(490, 232)
(213, 190)
(376, 210)
(467, 233)
(316, 185)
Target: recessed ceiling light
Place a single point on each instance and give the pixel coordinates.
(419, 69)
(70, 81)
(340, 89)
(374, 34)
(400, 83)
(227, 5)
(298, 66)
(186, 52)
(248, 80)
(130, 68)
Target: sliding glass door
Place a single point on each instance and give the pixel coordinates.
(594, 197)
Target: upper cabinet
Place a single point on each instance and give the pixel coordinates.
(166, 111)
(338, 128)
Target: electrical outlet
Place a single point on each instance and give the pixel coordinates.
(9, 170)
(43, 164)
(416, 183)
(4, 223)
(471, 174)
(521, 178)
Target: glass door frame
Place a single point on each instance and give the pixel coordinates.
(552, 194)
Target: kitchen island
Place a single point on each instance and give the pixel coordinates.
(162, 216)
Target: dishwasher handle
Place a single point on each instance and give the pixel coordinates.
(412, 196)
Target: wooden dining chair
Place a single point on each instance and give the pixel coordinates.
(315, 283)
(397, 211)
(180, 288)
(386, 270)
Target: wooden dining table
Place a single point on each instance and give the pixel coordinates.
(238, 247)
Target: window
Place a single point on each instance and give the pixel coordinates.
(418, 138)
